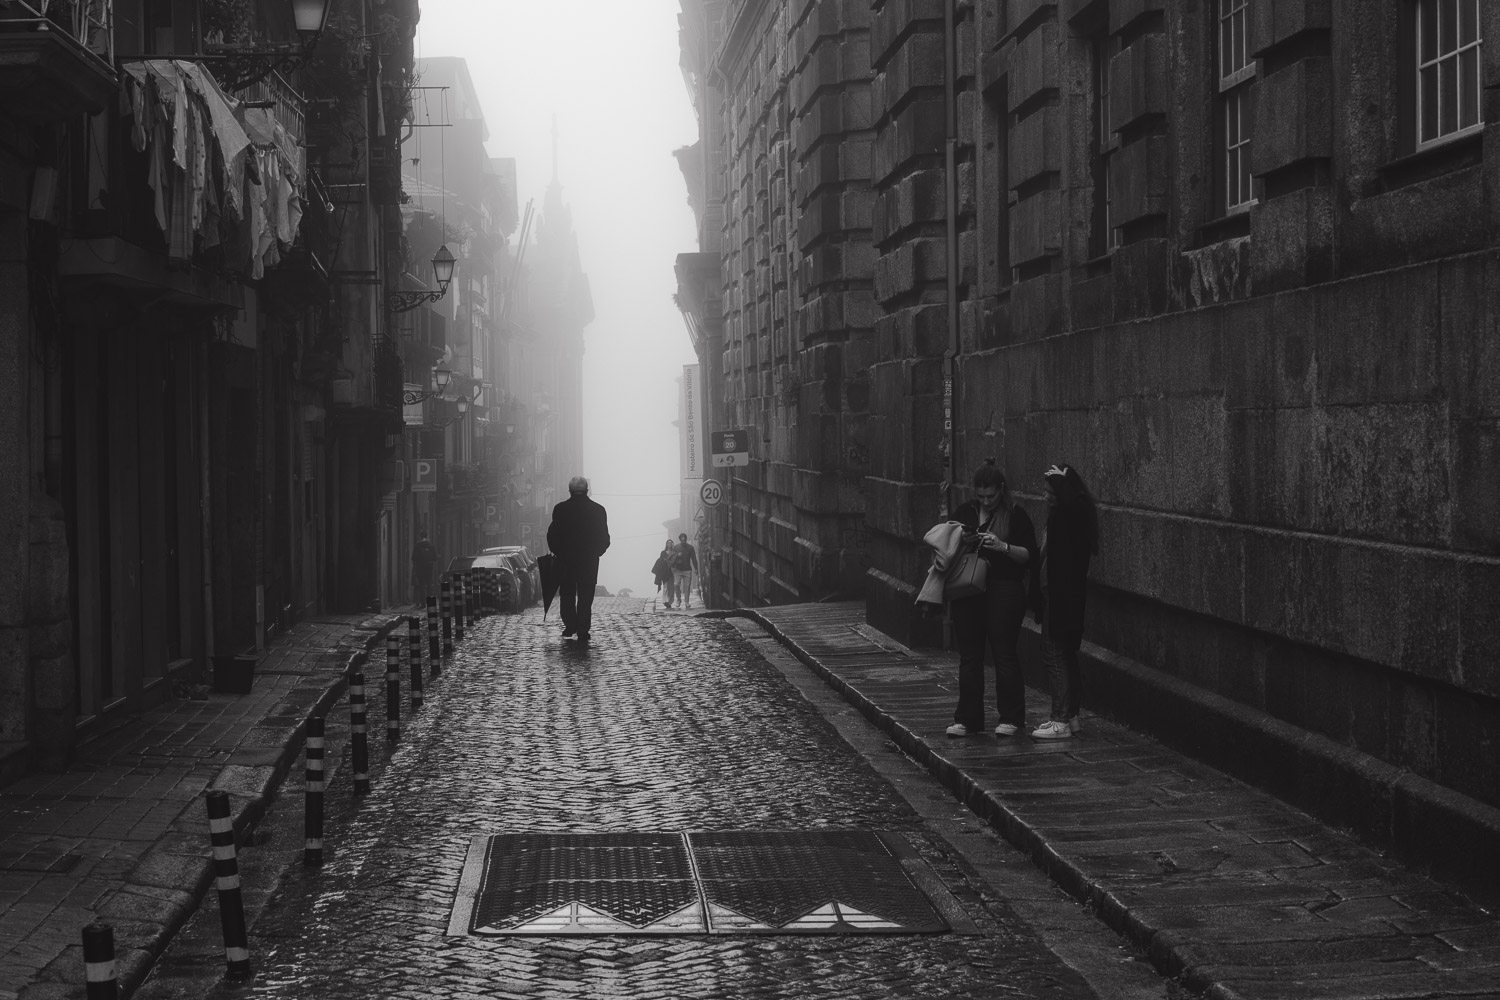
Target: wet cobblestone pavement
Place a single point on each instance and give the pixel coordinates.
(664, 723)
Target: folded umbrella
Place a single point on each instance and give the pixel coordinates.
(546, 566)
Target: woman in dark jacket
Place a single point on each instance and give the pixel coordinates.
(1069, 543)
(1005, 538)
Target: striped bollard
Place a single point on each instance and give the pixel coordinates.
(312, 811)
(392, 688)
(414, 654)
(471, 597)
(447, 591)
(458, 608)
(227, 878)
(99, 962)
(434, 638)
(359, 740)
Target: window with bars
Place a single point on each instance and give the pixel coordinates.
(1235, 71)
(1447, 70)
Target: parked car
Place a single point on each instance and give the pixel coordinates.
(513, 586)
(526, 567)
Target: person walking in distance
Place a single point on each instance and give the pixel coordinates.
(1069, 542)
(684, 565)
(1002, 533)
(661, 570)
(577, 536)
(423, 561)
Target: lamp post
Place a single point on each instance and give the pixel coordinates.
(442, 271)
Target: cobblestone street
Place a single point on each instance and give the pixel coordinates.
(665, 723)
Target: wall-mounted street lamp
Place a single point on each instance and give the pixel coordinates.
(236, 69)
(441, 376)
(442, 271)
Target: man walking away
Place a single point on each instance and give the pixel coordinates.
(577, 536)
(423, 559)
(684, 565)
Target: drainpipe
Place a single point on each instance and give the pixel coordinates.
(950, 184)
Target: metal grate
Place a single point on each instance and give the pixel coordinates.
(792, 882)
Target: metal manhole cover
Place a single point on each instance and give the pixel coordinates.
(764, 882)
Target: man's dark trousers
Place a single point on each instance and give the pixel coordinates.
(575, 593)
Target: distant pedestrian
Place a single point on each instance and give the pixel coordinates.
(1070, 541)
(684, 565)
(661, 570)
(1003, 535)
(577, 536)
(423, 562)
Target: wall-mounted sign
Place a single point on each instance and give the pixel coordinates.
(730, 448)
(425, 475)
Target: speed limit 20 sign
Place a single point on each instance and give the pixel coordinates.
(711, 493)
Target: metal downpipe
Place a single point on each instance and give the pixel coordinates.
(950, 184)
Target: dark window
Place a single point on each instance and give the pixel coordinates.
(1106, 235)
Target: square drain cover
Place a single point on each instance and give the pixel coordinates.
(762, 882)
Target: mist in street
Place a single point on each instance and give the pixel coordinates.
(607, 72)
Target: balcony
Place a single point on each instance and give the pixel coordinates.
(52, 68)
(147, 208)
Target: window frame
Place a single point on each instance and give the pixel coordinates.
(1441, 60)
(1104, 237)
(1235, 71)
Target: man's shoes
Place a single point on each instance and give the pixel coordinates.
(1006, 729)
(1052, 730)
(668, 605)
(583, 638)
(958, 729)
(569, 632)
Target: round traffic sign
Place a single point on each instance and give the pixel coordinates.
(711, 493)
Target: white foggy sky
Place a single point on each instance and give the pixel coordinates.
(608, 70)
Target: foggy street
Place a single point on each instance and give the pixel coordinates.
(666, 723)
(1035, 460)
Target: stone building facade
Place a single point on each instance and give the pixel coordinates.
(1234, 259)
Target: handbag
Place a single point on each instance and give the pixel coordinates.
(967, 577)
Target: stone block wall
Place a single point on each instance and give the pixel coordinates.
(798, 307)
(1287, 411)
(1287, 407)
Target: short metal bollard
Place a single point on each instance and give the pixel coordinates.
(227, 878)
(447, 591)
(392, 688)
(458, 608)
(359, 739)
(414, 654)
(99, 963)
(312, 811)
(434, 637)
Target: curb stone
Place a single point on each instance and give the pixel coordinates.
(1150, 926)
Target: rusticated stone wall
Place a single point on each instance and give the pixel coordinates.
(797, 305)
(1289, 410)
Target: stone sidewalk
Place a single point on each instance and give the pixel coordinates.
(122, 836)
(1226, 887)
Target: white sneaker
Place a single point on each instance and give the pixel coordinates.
(957, 729)
(1052, 731)
(1006, 729)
